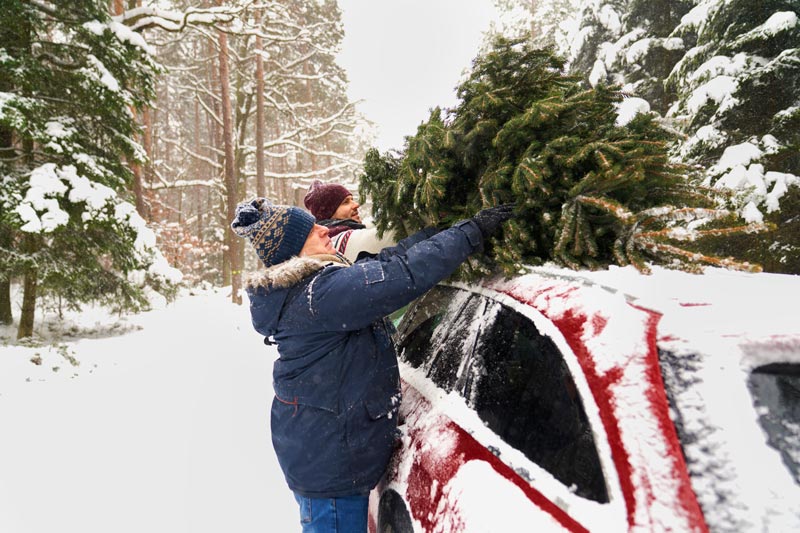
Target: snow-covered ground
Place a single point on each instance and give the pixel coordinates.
(162, 427)
(158, 422)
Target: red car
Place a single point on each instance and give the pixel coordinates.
(607, 402)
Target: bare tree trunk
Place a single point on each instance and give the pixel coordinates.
(6, 152)
(197, 169)
(15, 40)
(281, 185)
(138, 190)
(261, 185)
(147, 140)
(215, 139)
(30, 245)
(5, 302)
(28, 304)
(230, 169)
(118, 8)
(29, 285)
(532, 33)
(312, 159)
(5, 284)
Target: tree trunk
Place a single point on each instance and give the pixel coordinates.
(15, 39)
(28, 304)
(230, 169)
(30, 278)
(197, 166)
(281, 184)
(6, 152)
(312, 159)
(147, 175)
(215, 140)
(117, 8)
(5, 282)
(6, 317)
(30, 245)
(261, 185)
(138, 190)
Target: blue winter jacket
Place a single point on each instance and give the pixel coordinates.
(336, 380)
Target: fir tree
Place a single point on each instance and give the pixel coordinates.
(71, 79)
(739, 103)
(723, 74)
(642, 54)
(589, 190)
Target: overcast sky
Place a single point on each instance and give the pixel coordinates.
(404, 57)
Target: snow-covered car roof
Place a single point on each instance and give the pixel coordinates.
(718, 304)
(712, 330)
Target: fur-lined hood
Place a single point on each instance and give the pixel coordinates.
(269, 289)
(291, 272)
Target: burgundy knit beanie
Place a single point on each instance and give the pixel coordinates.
(323, 199)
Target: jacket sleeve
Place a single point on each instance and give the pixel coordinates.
(402, 247)
(347, 299)
(355, 244)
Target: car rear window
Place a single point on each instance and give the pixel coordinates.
(776, 391)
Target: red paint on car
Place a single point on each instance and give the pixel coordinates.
(660, 409)
(425, 471)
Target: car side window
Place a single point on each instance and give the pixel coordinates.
(437, 331)
(518, 383)
(511, 375)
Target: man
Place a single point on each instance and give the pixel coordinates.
(334, 207)
(336, 379)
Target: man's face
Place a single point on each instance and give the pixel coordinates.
(348, 209)
(317, 242)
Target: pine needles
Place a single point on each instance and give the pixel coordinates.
(589, 191)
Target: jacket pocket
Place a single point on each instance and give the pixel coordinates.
(307, 395)
(373, 271)
(379, 407)
(373, 419)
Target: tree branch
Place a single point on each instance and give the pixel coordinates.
(142, 18)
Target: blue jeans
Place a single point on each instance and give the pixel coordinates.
(333, 515)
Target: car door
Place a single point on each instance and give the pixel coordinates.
(521, 393)
(518, 383)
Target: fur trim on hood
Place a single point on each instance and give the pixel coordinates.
(291, 272)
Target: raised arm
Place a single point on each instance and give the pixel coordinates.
(345, 299)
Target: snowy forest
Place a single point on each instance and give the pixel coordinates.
(724, 76)
(130, 129)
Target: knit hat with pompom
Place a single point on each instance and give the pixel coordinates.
(277, 232)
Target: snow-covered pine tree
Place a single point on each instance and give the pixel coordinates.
(593, 187)
(638, 52)
(625, 42)
(738, 101)
(71, 78)
(622, 42)
(725, 75)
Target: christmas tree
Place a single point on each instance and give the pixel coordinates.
(593, 184)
